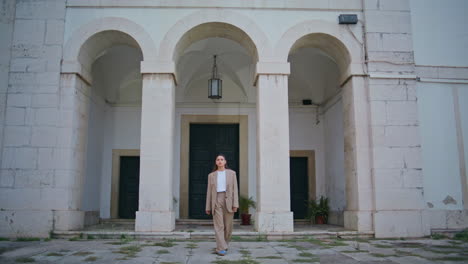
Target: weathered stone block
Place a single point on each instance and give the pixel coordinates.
(54, 31)
(413, 178)
(40, 9)
(400, 224)
(388, 158)
(28, 65)
(387, 92)
(45, 100)
(17, 223)
(44, 137)
(147, 221)
(388, 178)
(388, 22)
(19, 158)
(17, 136)
(19, 100)
(398, 199)
(402, 113)
(402, 136)
(395, 5)
(34, 178)
(397, 42)
(378, 112)
(15, 116)
(29, 31)
(457, 218)
(7, 178)
(68, 220)
(46, 117)
(412, 157)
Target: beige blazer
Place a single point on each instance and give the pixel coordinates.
(232, 196)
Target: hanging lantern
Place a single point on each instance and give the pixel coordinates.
(215, 85)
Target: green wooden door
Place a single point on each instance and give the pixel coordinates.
(206, 141)
(299, 186)
(129, 186)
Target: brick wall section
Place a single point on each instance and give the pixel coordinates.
(396, 148)
(31, 114)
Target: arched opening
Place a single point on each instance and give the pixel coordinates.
(212, 126)
(318, 62)
(110, 118)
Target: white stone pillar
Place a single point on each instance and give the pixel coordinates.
(273, 191)
(155, 211)
(359, 182)
(69, 156)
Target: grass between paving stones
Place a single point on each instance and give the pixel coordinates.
(241, 261)
(162, 251)
(54, 254)
(27, 239)
(123, 240)
(306, 260)
(269, 257)
(191, 245)
(165, 243)
(402, 253)
(25, 260)
(449, 258)
(463, 235)
(129, 251)
(169, 262)
(259, 238)
(92, 258)
(438, 236)
(245, 253)
(380, 255)
(382, 246)
(82, 253)
(354, 251)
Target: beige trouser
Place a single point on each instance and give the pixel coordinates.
(222, 220)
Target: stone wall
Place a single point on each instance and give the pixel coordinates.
(31, 114)
(395, 142)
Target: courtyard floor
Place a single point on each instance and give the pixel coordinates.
(242, 250)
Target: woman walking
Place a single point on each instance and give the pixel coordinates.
(222, 201)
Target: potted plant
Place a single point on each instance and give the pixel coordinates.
(318, 210)
(244, 205)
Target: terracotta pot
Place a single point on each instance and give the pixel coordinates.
(320, 220)
(245, 219)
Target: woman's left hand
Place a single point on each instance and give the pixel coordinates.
(234, 209)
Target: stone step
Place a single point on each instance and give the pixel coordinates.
(208, 234)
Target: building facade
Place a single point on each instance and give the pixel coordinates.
(105, 112)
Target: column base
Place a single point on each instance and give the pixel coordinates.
(68, 220)
(148, 221)
(274, 222)
(358, 220)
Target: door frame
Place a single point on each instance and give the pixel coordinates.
(310, 155)
(186, 120)
(115, 181)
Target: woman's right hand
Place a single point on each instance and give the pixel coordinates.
(208, 212)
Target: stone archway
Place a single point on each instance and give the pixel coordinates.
(343, 49)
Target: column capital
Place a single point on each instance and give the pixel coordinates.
(158, 67)
(272, 68)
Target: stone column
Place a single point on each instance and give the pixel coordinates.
(273, 199)
(359, 186)
(155, 212)
(69, 156)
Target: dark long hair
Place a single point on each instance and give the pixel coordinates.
(215, 167)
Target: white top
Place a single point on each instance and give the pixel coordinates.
(221, 181)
